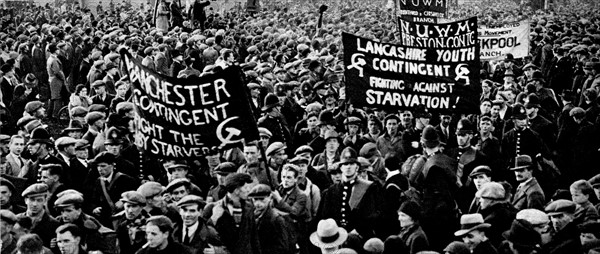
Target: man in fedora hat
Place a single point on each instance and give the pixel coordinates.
(354, 203)
(547, 97)
(529, 194)
(329, 236)
(273, 120)
(473, 232)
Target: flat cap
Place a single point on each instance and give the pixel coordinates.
(191, 200)
(69, 199)
(8, 216)
(98, 83)
(133, 197)
(82, 144)
(262, 131)
(595, 181)
(97, 108)
(32, 106)
(65, 141)
(299, 160)
(560, 206)
(4, 138)
(225, 168)
(275, 147)
(533, 216)
(352, 120)
(94, 116)
(304, 149)
(36, 189)
(150, 189)
(260, 190)
(491, 190)
(253, 85)
(577, 112)
(479, 170)
(98, 63)
(237, 179)
(79, 111)
(176, 184)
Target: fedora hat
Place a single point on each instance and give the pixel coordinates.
(74, 125)
(522, 161)
(470, 222)
(271, 101)
(328, 234)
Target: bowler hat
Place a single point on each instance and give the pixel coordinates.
(326, 118)
(537, 76)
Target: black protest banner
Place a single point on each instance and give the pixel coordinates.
(423, 10)
(442, 74)
(185, 118)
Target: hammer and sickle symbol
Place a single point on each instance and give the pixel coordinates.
(358, 62)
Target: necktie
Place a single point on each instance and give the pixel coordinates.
(186, 236)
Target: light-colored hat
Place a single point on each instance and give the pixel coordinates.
(328, 234)
(470, 222)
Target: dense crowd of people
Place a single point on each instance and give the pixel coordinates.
(522, 176)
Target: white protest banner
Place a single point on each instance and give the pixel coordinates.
(495, 42)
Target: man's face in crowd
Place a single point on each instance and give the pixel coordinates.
(312, 122)
(114, 149)
(486, 127)
(179, 193)
(105, 169)
(391, 126)
(189, 214)
(473, 238)
(154, 236)
(67, 243)
(336, 177)
(485, 107)
(446, 120)
(523, 174)
(35, 148)
(349, 171)
(485, 87)
(352, 129)
(560, 221)
(48, 179)
(495, 110)
(406, 119)
(82, 154)
(75, 134)
(464, 139)
(255, 92)
(100, 90)
(179, 173)
(40, 113)
(5, 195)
(70, 213)
(70, 150)
(121, 90)
(132, 211)
(265, 140)
(332, 145)
(251, 153)
(373, 127)
(261, 203)
(520, 123)
(35, 204)
(288, 179)
(529, 72)
(100, 123)
(481, 179)
(16, 146)
(302, 169)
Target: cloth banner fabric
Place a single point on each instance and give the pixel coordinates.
(186, 118)
(419, 10)
(496, 42)
(438, 67)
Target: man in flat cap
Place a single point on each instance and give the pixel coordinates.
(7, 221)
(274, 232)
(218, 191)
(70, 205)
(36, 196)
(102, 96)
(566, 236)
(107, 188)
(193, 232)
(57, 80)
(130, 222)
(179, 188)
(288, 198)
(233, 216)
(155, 202)
(95, 121)
(353, 138)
